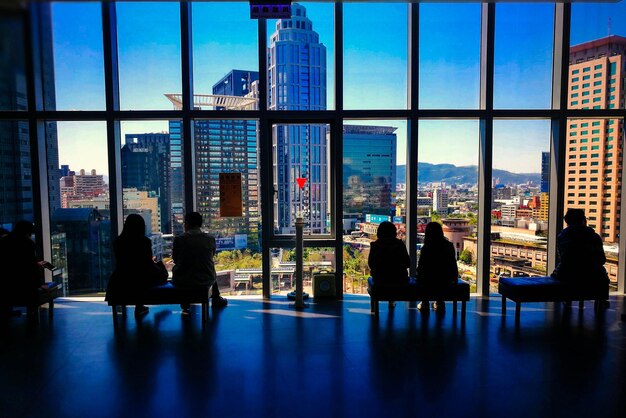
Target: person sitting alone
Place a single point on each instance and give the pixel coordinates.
(581, 255)
(192, 254)
(22, 276)
(135, 269)
(437, 263)
(388, 259)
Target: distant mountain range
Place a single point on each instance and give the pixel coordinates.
(451, 174)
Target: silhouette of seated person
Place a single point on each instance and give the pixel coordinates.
(22, 274)
(193, 254)
(581, 255)
(135, 268)
(388, 259)
(437, 266)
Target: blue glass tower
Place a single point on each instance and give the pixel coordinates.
(545, 172)
(369, 176)
(177, 185)
(297, 81)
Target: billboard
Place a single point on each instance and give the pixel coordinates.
(236, 242)
(376, 219)
(422, 221)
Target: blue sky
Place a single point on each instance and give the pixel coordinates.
(375, 66)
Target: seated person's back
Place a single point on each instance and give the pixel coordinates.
(193, 254)
(437, 264)
(581, 255)
(22, 275)
(135, 271)
(388, 259)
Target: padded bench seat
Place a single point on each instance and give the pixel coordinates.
(458, 292)
(165, 294)
(33, 306)
(546, 289)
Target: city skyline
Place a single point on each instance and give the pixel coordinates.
(79, 64)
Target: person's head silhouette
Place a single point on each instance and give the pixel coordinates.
(386, 230)
(193, 220)
(433, 233)
(575, 217)
(134, 226)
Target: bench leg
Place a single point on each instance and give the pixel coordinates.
(376, 312)
(114, 312)
(503, 306)
(518, 309)
(581, 304)
(454, 306)
(50, 309)
(463, 310)
(205, 310)
(124, 311)
(596, 306)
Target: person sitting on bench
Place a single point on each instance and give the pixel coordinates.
(581, 255)
(22, 275)
(135, 268)
(192, 254)
(388, 259)
(437, 263)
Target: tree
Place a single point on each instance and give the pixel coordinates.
(466, 256)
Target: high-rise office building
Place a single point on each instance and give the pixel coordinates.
(146, 167)
(594, 149)
(176, 176)
(545, 173)
(16, 186)
(297, 81)
(369, 169)
(440, 201)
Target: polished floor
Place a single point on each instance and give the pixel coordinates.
(264, 359)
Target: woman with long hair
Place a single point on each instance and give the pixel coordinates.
(437, 263)
(388, 259)
(135, 268)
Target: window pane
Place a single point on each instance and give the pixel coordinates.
(596, 70)
(523, 56)
(81, 223)
(12, 65)
(374, 185)
(225, 50)
(146, 169)
(78, 56)
(16, 187)
(301, 152)
(149, 54)
(315, 260)
(593, 180)
(448, 186)
(521, 153)
(300, 59)
(375, 56)
(225, 147)
(449, 72)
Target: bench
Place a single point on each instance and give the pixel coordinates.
(547, 289)
(410, 292)
(33, 305)
(165, 294)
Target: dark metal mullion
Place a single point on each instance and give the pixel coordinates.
(189, 160)
(112, 96)
(412, 143)
(37, 130)
(485, 149)
(336, 153)
(264, 145)
(560, 71)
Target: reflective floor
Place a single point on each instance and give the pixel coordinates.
(264, 359)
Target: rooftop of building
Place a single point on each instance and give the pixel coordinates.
(608, 40)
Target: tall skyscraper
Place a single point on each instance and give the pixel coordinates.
(369, 169)
(176, 175)
(297, 81)
(15, 156)
(594, 149)
(545, 173)
(146, 167)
